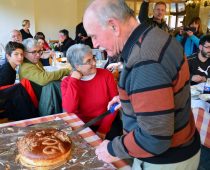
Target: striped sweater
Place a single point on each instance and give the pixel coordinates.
(154, 91)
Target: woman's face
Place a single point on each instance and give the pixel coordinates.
(195, 25)
(16, 57)
(41, 43)
(27, 26)
(89, 65)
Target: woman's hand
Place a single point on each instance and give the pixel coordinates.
(76, 74)
(101, 135)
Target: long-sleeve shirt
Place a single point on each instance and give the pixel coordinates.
(65, 45)
(190, 44)
(89, 99)
(37, 74)
(154, 90)
(7, 74)
(143, 17)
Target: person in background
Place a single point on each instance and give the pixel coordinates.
(18, 101)
(64, 41)
(154, 90)
(40, 36)
(2, 54)
(14, 56)
(25, 30)
(81, 36)
(16, 36)
(32, 68)
(88, 90)
(190, 37)
(47, 54)
(199, 63)
(159, 12)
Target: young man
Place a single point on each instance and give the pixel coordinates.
(159, 12)
(199, 63)
(15, 103)
(153, 90)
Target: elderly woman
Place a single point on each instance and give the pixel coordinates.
(88, 90)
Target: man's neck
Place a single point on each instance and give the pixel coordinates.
(130, 27)
(201, 57)
(158, 20)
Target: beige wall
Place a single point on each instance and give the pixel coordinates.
(204, 15)
(48, 16)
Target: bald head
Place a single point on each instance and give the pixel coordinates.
(16, 36)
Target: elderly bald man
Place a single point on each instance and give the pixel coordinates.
(154, 90)
(16, 36)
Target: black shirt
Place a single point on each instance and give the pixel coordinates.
(7, 74)
(25, 35)
(198, 67)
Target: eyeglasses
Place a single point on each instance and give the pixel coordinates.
(208, 47)
(90, 61)
(40, 52)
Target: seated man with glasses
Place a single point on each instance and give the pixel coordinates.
(46, 84)
(88, 90)
(199, 63)
(32, 69)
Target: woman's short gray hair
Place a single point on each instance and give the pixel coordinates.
(30, 43)
(76, 53)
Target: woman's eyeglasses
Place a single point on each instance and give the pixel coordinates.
(40, 52)
(90, 61)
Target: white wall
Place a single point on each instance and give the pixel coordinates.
(47, 16)
(12, 12)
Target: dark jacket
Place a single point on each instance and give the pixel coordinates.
(143, 17)
(80, 32)
(65, 45)
(7, 74)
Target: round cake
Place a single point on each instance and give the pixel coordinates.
(44, 148)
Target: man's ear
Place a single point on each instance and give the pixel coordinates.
(200, 47)
(8, 57)
(113, 24)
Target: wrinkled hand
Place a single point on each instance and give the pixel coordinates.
(103, 154)
(198, 78)
(101, 135)
(76, 74)
(115, 99)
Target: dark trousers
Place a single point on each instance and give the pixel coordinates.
(204, 159)
(116, 128)
(16, 103)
